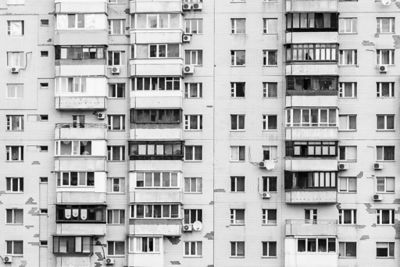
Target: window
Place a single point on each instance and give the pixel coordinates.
(115, 58)
(270, 57)
(347, 249)
(15, 59)
(193, 153)
(311, 52)
(348, 90)
(115, 216)
(269, 249)
(14, 247)
(156, 83)
(116, 184)
(270, 89)
(194, 57)
(238, 153)
(43, 242)
(193, 248)
(385, 249)
(238, 57)
(116, 26)
(347, 122)
(15, 91)
(44, 179)
(153, 211)
(43, 117)
(158, 116)
(159, 150)
(73, 148)
(157, 51)
(311, 21)
(385, 216)
(75, 179)
(270, 152)
(15, 27)
(193, 122)
(116, 90)
(145, 244)
(238, 89)
(71, 84)
(192, 215)
(72, 245)
(237, 249)
(15, 153)
(14, 216)
(193, 185)
(269, 184)
(116, 122)
(385, 89)
(44, 53)
(347, 184)
(79, 52)
(270, 26)
(347, 216)
(237, 184)
(116, 153)
(75, 21)
(385, 184)
(115, 248)
(347, 25)
(15, 123)
(385, 122)
(384, 153)
(348, 57)
(44, 86)
(14, 184)
(385, 25)
(385, 56)
(157, 21)
(237, 216)
(311, 148)
(238, 26)
(270, 122)
(44, 22)
(269, 216)
(157, 179)
(237, 122)
(311, 216)
(348, 153)
(314, 245)
(193, 26)
(193, 90)
(306, 180)
(309, 84)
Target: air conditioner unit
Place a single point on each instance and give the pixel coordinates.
(101, 115)
(197, 226)
(198, 6)
(386, 2)
(343, 166)
(186, 38)
(14, 70)
(378, 166)
(382, 68)
(187, 228)
(115, 70)
(266, 195)
(7, 259)
(377, 197)
(188, 69)
(261, 165)
(109, 261)
(186, 7)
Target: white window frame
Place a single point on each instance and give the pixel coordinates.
(169, 84)
(14, 216)
(194, 57)
(346, 182)
(193, 90)
(20, 184)
(234, 92)
(19, 31)
(353, 89)
(195, 183)
(380, 56)
(192, 215)
(388, 246)
(234, 214)
(113, 243)
(118, 214)
(383, 182)
(110, 153)
(353, 216)
(266, 55)
(236, 119)
(267, 180)
(112, 55)
(121, 29)
(197, 246)
(76, 84)
(266, 122)
(343, 56)
(113, 182)
(348, 25)
(266, 214)
(17, 58)
(235, 247)
(380, 24)
(9, 153)
(234, 181)
(268, 28)
(345, 157)
(380, 153)
(15, 123)
(237, 152)
(145, 245)
(235, 58)
(347, 118)
(385, 118)
(268, 87)
(116, 90)
(308, 123)
(150, 179)
(13, 247)
(194, 26)
(268, 244)
(150, 208)
(379, 89)
(193, 152)
(82, 176)
(391, 214)
(110, 120)
(15, 91)
(198, 121)
(235, 23)
(343, 248)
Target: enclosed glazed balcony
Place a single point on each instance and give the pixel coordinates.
(311, 5)
(155, 150)
(312, 22)
(155, 165)
(310, 164)
(146, 251)
(312, 85)
(78, 6)
(73, 246)
(162, 6)
(312, 68)
(91, 131)
(80, 163)
(301, 227)
(311, 53)
(312, 133)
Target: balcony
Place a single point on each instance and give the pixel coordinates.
(90, 131)
(147, 259)
(80, 164)
(311, 228)
(156, 67)
(155, 6)
(95, 67)
(88, 6)
(80, 102)
(76, 229)
(312, 86)
(156, 195)
(310, 164)
(319, 23)
(312, 37)
(81, 37)
(154, 227)
(312, 133)
(311, 196)
(312, 100)
(160, 99)
(156, 36)
(312, 68)
(153, 150)
(155, 165)
(311, 5)
(156, 132)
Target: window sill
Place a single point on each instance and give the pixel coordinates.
(385, 258)
(238, 66)
(347, 192)
(347, 130)
(383, 130)
(270, 130)
(193, 131)
(237, 224)
(189, 256)
(237, 161)
(116, 256)
(348, 66)
(193, 161)
(386, 193)
(269, 224)
(193, 193)
(347, 161)
(10, 192)
(347, 33)
(237, 257)
(348, 257)
(269, 257)
(237, 131)
(115, 193)
(270, 66)
(387, 161)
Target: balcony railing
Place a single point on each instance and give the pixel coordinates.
(303, 227)
(311, 5)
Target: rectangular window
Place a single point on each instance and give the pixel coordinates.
(238, 89)
(269, 216)
(75, 21)
(385, 25)
(71, 84)
(158, 51)
(238, 153)
(72, 245)
(75, 179)
(270, 122)
(385, 184)
(193, 185)
(311, 148)
(44, 22)
(81, 213)
(194, 57)
(237, 216)
(269, 184)
(14, 247)
(270, 57)
(158, 150)
(156, 21)
(14, 216)
(193, 153)
(347, 184)
(348, 57)
(269, 249)
(385, 249)
(15, 123)
(385, 153)
(237, 122)
(385, 216)
(347, 249)
(347, 25)
(157, 180)
(348, 153)
(116, 26)
(270, 25)
(116, 90)
(348, 90)
(311, 52)
(311, 117)
(193, 248)
(193, 26)
(347, 216)
(116, 216)
(153, 211)
(156, 84)
(316, 245)
(237, 249)
(115, 248)
(116, 184)
(193, 122)
(15, 59)
(116, 58)
(15, 91)
(15, 27)
(79, 52)
(14, 184)
(156, 116)
(194, 90)
(238, 26)
(385, 56)
(347, 122)
(385, 122)
(192, 215)
(270, 152)
(14, 153)
(145, 244)
(237, 184)
(116, 122)
(385, 89)
(116, 153)
(238, 57)
(270, 89)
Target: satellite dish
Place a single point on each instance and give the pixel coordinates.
(197, 226)
(386, 2)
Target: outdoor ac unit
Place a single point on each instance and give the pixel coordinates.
(7, 259)
(261, 165)
(198, 6)
(186, 7)
(188, 69)
(343, 166)
(186, 38)
(386, 2)
(187, 228)
(115, 70)
(101, 115)
(109, 261)
(377, 197)
(378, 166)
(266, 195)
(14, 70)
(382, 68)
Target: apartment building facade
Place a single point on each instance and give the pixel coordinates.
(199, 133)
